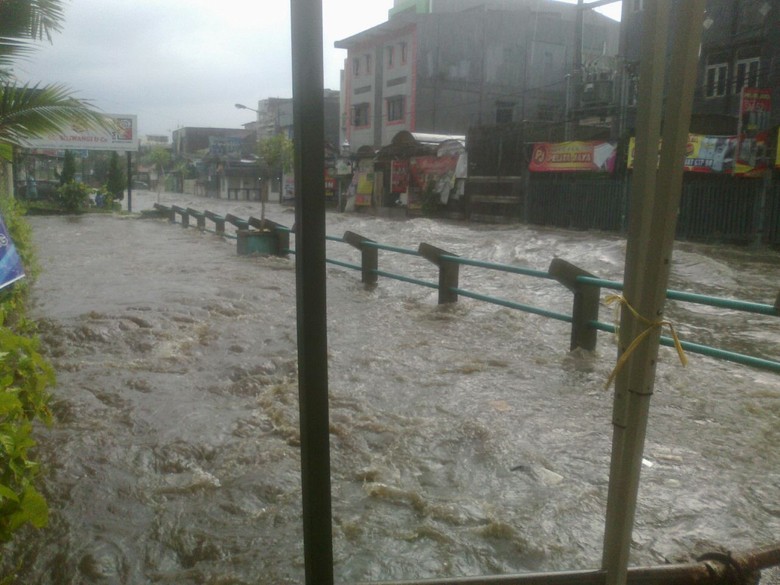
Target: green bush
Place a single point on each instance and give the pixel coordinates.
(24, 381)
(73, 196)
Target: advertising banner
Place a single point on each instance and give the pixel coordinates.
(424, 169)
(777, 150)
(364, 181)
(122, 137)
(755, 108)
(330, 184)
(11, 268)
(717, 154)
(399, 176)
(574, 156)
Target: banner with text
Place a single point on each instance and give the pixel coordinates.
(122, 136)
(574, 156)
(717, 154)
(755, 108)
(11, 268)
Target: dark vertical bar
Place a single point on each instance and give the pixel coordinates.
(309, 128)
(129, 181)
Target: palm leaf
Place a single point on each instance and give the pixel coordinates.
(36, 111)
(22, 22)
(30, 19)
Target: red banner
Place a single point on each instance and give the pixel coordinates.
(576, 156)
(399, 176)
(423, 169)
(755, 109)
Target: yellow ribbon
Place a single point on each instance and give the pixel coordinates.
(651, 325)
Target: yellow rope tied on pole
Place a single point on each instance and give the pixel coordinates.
(620, 301)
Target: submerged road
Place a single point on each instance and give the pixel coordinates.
(465, 440)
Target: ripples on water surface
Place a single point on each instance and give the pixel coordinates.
(465, 440)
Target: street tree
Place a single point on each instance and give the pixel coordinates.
(68, 173)
(115, 183)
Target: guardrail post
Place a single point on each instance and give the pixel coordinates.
(241, 224)
(281, 234)
(586, 302)
(199, 218)
(219, 222)
(369, 258)
(449, 272)
(185, 217)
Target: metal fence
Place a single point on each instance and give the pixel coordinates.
(721, 209)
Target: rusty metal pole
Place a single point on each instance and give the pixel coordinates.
(309, 128)
(654, 208)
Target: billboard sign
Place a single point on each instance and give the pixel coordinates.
(573, 156)
(11, 268)
(121, 136)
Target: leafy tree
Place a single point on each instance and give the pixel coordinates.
(160, 157)
(277, 152)
(115, 183)
(68, 173)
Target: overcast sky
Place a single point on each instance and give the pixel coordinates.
(178, 63)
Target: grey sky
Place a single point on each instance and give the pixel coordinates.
(180, 63)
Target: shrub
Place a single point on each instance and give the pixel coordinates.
(24, 381)
(73, 196)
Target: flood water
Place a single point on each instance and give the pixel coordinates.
(465, 440)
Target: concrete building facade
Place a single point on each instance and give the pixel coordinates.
(444, 67)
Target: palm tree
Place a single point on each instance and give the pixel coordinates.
(21, 23)
(32, 111)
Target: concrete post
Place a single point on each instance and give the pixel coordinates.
(448, 272)
(369, 258)
(219, 222)
(585, 307)
(199, 218)
(185, 217)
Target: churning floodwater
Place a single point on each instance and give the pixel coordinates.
(465, 439)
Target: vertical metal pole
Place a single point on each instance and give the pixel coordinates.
(309, 129)
(129, 181)
(655, 203)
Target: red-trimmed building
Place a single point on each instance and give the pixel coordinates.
(445, 66)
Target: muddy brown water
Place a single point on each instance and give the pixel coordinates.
(466, 440)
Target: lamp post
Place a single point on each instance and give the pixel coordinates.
(263, 195)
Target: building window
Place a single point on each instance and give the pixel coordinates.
(403, 53)
(360, 115)
(395, 109)
(368, 63)
(747, 73)
(715, 80)
(505, 112)
(355, 67)
(390, 56)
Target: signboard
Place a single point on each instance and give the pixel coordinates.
(574, 156)
(222, 145)
(364, 181)
(11, 268)
(777, 150)
(123, 136)
(399, 176)
(437, 169)
(755, 107)
(330, 184)
(717, 154)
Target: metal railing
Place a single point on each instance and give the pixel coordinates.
(586, 288)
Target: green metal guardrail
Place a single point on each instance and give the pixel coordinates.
(584, 316)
